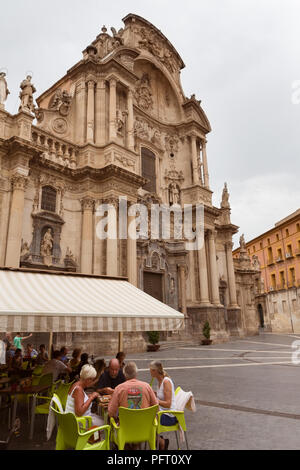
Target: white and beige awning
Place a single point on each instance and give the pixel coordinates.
(46, 302)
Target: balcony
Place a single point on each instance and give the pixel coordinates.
(292, 283)
(279, 259)
(289, 255)
(297, 252)
(270, 262)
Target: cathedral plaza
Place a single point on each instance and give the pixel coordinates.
(111, 241)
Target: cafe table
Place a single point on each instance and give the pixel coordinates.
(102, 405)
(32, 391)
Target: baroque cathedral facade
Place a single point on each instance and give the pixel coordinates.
(118, 124)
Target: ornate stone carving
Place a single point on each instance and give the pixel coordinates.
(174, 175)
(25, 251)
(4, 91)
(106, 43)
(87, 203)
(225, 198)
(60, 126)
(26, 95)
(174, 193)
(61, 101)
(152, 42)
(141, 129)
(171, 142)
(19, 182)
(143, 93)
(47, 243)
(70, 260)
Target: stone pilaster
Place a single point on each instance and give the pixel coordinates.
(182, 280)
(231, 276)
(14, 237)
(112, 109)
(100, 112)
(194, 159)
(86, 264)
(90, 112)
(80, 100)
(130, 122)
(112, 240)
(213, 269)
(204, 294)
(131, 250)
(205, 165)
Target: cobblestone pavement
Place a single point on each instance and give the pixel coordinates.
(247, 394)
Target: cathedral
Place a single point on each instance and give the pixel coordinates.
(118, 127)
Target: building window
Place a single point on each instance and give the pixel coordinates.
(273, 281)
(287, 232)
(269, 242)
(292, 277)
(270, 255)
(284, 305)
(298, 227)
(254, 249)
(148, 169)
(261, 245)
(289, 252)
(48, 199)
(277, 236)
(282, 280)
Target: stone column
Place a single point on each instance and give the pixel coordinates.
(191, 256)
(86, 262)
(131, 250)
(231, 276)
(14, 236)
(100, 113)
(112, 243)
(130, 124)
(205, 166)
(204, 295)
(181, 268)
(213, 268)
(90, 112)
(194, 159)
(80, 127)
(112, 109)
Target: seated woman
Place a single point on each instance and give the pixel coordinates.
(100, 366)
(166, 398)
(78, 402)
(75, 361)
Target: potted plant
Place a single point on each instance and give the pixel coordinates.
(153, 337)
(206, 333)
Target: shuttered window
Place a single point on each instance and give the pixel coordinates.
(148, 169)
(48, 199)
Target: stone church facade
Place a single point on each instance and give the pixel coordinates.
(118, 124)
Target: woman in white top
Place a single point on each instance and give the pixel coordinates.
(166, 398)
(78, 402)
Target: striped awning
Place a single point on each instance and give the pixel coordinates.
(43, 302)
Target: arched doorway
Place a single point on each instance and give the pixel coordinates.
(261, 315)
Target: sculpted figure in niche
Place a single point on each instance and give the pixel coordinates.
(47, 243)
(4, 91)
(26, 95)
(174, 193)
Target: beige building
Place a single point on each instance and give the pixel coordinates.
(118, 124)
(277, 254)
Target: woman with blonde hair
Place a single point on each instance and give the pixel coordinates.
(166, 398)
(78, 402)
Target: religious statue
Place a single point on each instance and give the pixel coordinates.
(47, 243)
(26, 95)
(174, 193)
(225, 197)
(4, 91)
(255, 262)
(25, 251)
(242, 242)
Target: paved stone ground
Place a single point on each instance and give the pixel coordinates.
(247, 394)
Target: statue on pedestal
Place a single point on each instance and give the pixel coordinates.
(174, 193)
(225, 197)
(26, 95)
(46, 247)
(4, 91)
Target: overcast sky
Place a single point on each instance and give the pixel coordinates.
(242, 61)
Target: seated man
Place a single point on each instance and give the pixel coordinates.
(133, 393)
(55, 366)
(110, 378)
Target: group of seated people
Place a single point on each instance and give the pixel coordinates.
(125, 390)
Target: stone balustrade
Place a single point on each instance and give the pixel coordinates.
(55, 150)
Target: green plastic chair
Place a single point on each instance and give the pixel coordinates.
(176, 427)
(71, 436)
(37, 371)
(135, 426)
(24, 365)
(62, 392)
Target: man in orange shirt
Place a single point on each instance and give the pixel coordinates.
(133, 393)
